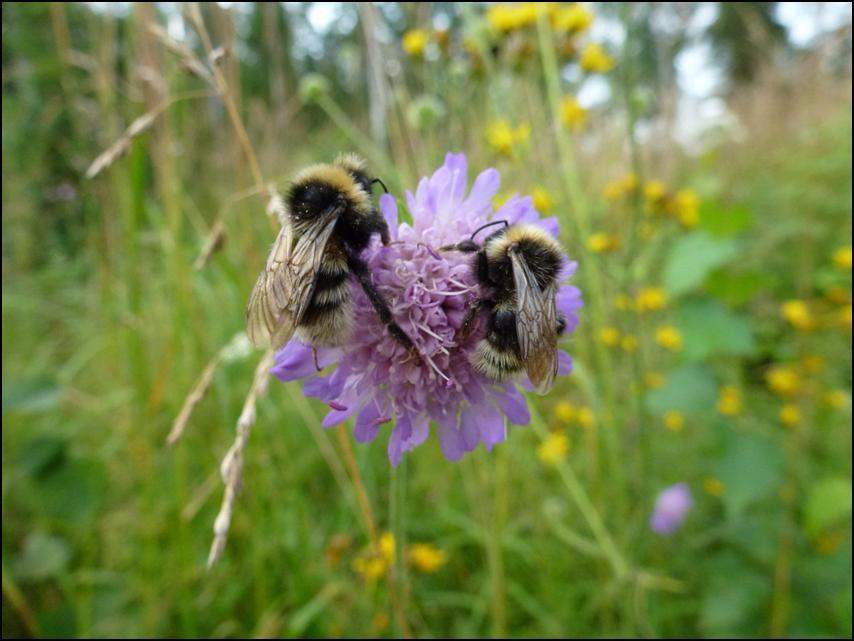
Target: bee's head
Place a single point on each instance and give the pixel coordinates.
(541, 252)
(319, 187)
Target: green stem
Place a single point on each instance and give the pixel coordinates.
(582, 501)
(590, 272)
(495, 546)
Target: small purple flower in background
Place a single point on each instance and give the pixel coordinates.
(671, 508)
(375, 379)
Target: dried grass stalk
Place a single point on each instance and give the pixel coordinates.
(193, 398)
(120, 147)
(189, 60)
(214, 241)
(231, 468)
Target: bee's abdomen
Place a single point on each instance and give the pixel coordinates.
(497, 355)
(328, 320)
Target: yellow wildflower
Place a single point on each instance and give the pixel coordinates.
(502, 137)
(654, 380)
(425, 557)
(610, 336)
(572, 19)
(829, 542)
(369, 567)
(414, 42)
(650, 299)
(713, 486)
(630, 182)
(674, 420)
(554, 448)
(838, 295)
(623, 303)
(845, 316)
(387, 546)
(687, 204)
(507, 17)
(797, 313)
(729, 401)
(629, 343)
(572, 114)
(813, 364)
(783, 380)
(646, 231)
(612, 190)
(669, 338)
(835, 398)
(654, 191)
(600, 242)
(542, 200)
(790, 415)
(564, 411)
(585, 417)
(595, 59)
(842, 258)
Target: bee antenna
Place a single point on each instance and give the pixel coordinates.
(382, 184)
(492, 224)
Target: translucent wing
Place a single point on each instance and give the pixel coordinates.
(536, 325)
(283, 290)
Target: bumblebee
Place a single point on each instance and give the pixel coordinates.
(517, 269)
(305, 285)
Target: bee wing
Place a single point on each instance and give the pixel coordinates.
(283, 290)
(536, 325)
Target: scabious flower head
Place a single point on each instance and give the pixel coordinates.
(671, 508)
(374, 378)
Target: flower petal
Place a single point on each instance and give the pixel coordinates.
(513, 404)
(449, 436)
(388, 207)
(295, 360)
(487, 424)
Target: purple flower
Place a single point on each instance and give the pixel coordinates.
(375, 380)
(671, 508)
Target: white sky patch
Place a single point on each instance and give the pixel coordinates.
(807, 20)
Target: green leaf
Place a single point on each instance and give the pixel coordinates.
(751, 468)
(710, 329)
(724, 221)
(43, 556)
(688, 389)
(75, 491)
(32, 395)
(733, 598)
(735, 289)
(42, 454)
(828, 503)
(692, 258)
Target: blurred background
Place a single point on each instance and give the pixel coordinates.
(692, 477)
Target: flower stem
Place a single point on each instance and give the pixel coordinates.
(581, 220)
(370, 525)
(496, 550)
(577, 493)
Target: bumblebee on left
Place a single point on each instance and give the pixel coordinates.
(305, 286)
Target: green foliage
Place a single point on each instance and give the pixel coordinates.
(710, 329)
(692, 258)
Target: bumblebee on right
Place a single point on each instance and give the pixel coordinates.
(517, 268)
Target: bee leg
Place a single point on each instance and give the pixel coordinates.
(561, 324)
(468, 321)
(360, 270)
(316, 364)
